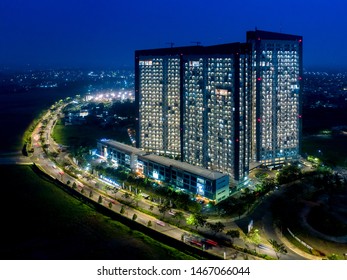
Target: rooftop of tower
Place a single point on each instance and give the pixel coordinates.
(195, 50)
(268, 35)
(228, 48)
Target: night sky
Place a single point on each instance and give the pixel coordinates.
(105, 33)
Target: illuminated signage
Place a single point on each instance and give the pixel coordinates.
(200, 186)
(200, 189)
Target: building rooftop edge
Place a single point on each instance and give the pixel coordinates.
(269, 35)
(195, 50)
(210, 174)
(223, 48)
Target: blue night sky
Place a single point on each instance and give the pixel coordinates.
(105, 33)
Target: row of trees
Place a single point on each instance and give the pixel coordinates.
(157, 192)
(199, 220)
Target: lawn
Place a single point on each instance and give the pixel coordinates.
(41, 221)
(288, 209)
(86, 135)
(331, 149)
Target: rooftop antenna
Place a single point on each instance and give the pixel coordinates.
(197, 43)
(171, 44)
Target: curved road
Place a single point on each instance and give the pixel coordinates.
(260, 215)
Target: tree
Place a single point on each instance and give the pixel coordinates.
(333, 257)
(110, 205)
(74, 185)
(151, 207)
(100, 199)
(233, 233)
(217, 227)
(126, 195)
(248, 198)
(54, 154)
(163, 208)
(196, 220)
(179, 216)
(278, 247)
(134, 217)
(201, 219)
(137, 198)
(122, 210)
(191, 220)
(268, 184)
(253, 237)
(288, 174)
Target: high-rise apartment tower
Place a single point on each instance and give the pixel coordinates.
(276, 94)
(194, 102)
(224, 106)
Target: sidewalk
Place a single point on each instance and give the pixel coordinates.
(162, 227)
(144, 219)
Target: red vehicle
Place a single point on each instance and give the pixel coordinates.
(211, 242)
(195, 242)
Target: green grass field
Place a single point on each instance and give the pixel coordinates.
(86, 135)
(41, 221)
(333, 149)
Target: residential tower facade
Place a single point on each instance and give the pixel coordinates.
(194, 102)
(222, 107)
(276, 96)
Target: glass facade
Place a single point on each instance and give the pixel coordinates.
(191, 179)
